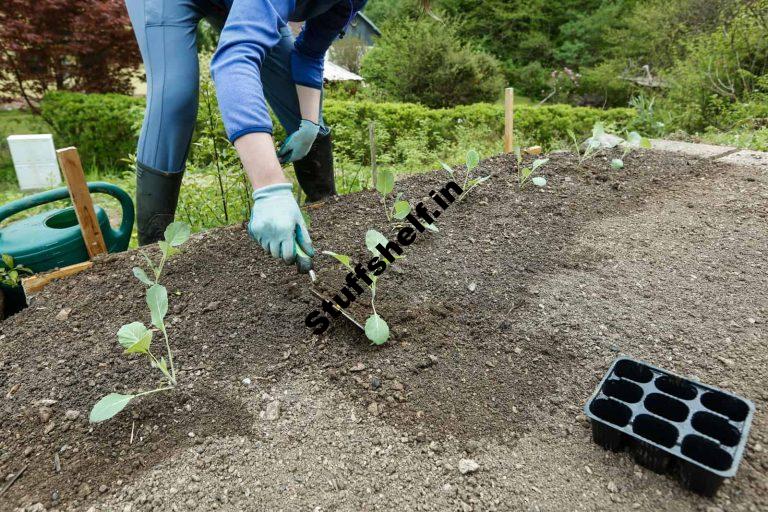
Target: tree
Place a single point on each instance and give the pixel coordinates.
(424, 61)
(77, 45)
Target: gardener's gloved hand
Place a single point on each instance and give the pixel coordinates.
(297, 145)
(277, 225)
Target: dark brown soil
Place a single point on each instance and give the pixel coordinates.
(503, 324)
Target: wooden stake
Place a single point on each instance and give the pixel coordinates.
(372, 138)
(70, 164)
(509, 120)
(34, 284)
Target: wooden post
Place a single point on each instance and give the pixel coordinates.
(509, 120)
(372, 138)
(70, 164)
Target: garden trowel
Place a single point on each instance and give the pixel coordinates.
(322, 297)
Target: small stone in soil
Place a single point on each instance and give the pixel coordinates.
(359, 367)
(467, 466)
(273, 411)
(472, 287)
(63, 314)
(212, 306)
(72, 414)
(247, 381)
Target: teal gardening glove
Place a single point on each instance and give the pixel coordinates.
(298, 144)
(277, 225)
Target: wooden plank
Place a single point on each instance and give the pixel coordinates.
(34, 284)
(372, 138)
(70, 164)
(509, 120)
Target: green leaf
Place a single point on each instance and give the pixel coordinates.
(342, 258)
(402, 208)
(525, 172)
(135, 338)
(539, 181)
(376, 330)
(645, 143)
(447, 168)
(374, 238)
(167, 248)
(617, 163)
(139, 273)
(385, 182)
(477, 181)
(177, 233)
(157, 300)
(8, 260)
(538, 163)
(108, 406)
(431, 227)
(473, 159)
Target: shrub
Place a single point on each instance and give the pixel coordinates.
(104, 127)
(424, 61)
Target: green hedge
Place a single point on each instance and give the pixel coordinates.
(105, 126)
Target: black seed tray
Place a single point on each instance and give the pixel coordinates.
(670, 424)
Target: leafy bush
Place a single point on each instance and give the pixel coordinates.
(407, 135)
(104, 127)
(425, 61)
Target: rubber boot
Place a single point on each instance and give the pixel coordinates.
(157, 194)
(315, 171)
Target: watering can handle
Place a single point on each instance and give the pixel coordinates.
(57, 194)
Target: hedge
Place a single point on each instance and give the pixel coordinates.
(105, 126)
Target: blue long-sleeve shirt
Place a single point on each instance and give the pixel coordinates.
(252, 28)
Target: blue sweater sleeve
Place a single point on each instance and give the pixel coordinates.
(251, 29)
(308, 57)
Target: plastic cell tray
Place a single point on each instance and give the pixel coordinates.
(670, 424)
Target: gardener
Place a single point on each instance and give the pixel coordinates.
(257, 59)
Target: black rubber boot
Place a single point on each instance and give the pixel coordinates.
(157, 194)
(315, 171)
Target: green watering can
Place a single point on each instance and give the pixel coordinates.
(53, 239)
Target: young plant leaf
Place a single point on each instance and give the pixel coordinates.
(473, 159)
(108, 406)
(431, 227)
(376, 330)
(374, 238)
(385, 182)
(135, 338)
(157, 300)
(342, 258)
(447, 168)
(598, 130)
(162, 365)
(539, 181)
(177, 233)
(617, 163)
(402, 208)
(538, 163)
(139, 273)
(8, 260)
(167, 248)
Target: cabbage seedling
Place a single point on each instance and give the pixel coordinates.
(633, 141)
(385, 184)
(473, 160)
(525, 174)
(136, 338)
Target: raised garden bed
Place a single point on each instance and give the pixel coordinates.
(502, 325)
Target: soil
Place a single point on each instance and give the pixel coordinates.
(503, 324)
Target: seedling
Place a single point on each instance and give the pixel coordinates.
(385, 183)
(376, 328)
(525, 174)
(136, 338)
(591, 146)
(634, 140)
(10, 273)
(473, 160)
